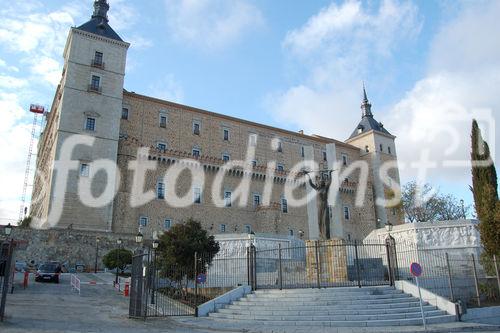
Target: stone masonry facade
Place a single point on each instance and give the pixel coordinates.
(90, 101)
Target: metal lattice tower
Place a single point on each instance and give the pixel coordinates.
(36, 110)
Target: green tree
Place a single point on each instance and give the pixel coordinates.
(485, 191)
(177, 249)
(117, 258)
(424, 203)
(26, 222)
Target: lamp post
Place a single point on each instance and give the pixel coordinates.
(156, 243)
(8, 230)
(138, 240)
(96, 253)
(119, 242)
(301, 234)
(463, 208)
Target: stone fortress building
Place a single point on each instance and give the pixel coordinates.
(91, 101)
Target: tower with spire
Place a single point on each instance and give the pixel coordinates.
(377, 146)
(88, 102)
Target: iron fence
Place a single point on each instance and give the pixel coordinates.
(460, 275)
(6, 272)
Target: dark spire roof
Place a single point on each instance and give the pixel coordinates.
(367, 122)
(98, 24)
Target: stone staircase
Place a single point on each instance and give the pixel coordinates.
(335, 307)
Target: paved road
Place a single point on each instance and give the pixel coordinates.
(50, 307)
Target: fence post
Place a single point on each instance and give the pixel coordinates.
(496, 272)
(450, 281)
(358, 273)
(253, 267)
(476, 282)
(389, 263)
(280, 275)
(318, 267)
(248, 266)
(196, 283)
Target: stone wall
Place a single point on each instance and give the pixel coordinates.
(71, 246)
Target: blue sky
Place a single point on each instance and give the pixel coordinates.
(429, 67)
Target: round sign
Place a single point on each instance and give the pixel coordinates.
(201, 278)
(416, 269)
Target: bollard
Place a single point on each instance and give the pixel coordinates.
(126, 290)
(26, 278)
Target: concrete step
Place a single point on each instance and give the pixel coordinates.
(364, 311)
(342, 290)
(353, 296)
(248, 316)
(315, 306)
(346, 323)
(329, 302)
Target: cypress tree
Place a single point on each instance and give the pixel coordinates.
(485, 190)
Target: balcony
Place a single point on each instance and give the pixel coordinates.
(93, 88)
(96, 63)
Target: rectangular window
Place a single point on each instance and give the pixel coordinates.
(381, 148)
(389, 150)
(196, 153)
(344, 159)
(253, 140)
(125, 113)
(161, 146)
(256, 200)
(367, 149)
(143, 221)
(90, 124)
(284, 205)
(248, 228)
(280, 146)
(95, 83)
(163, 121)
(197, 195)
(280, 167)
(84, 170)
(222, 228)
(167, 224)
(225, 135)
(254, 163)
(290, 232)
(324, 155)
(227, 199)
(393, 211)
(347, 214)
(226, 157)
(160, 190)
(302, 151)
(97, 59)
(196, 128)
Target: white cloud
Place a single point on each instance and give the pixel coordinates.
(462, 83)
(10, 82)
(211, 23)
(338, 48)
(14, 140)
(167, 88)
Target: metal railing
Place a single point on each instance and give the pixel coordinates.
(6, 273)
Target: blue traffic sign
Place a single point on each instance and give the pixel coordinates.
(201, 278)
(416, 269)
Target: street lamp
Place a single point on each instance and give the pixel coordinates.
(119, 242)
(156, 243)
(8, 230)
(138, 238)
(96, 253)
(301, 234)
(388, 227)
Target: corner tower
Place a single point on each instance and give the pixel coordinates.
(88, 102)
(377, 146)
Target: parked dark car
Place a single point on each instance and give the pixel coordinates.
(48, 272)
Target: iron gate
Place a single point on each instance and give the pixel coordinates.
(323, 265)
(160, 293)
(6, 273)
(172, 290)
